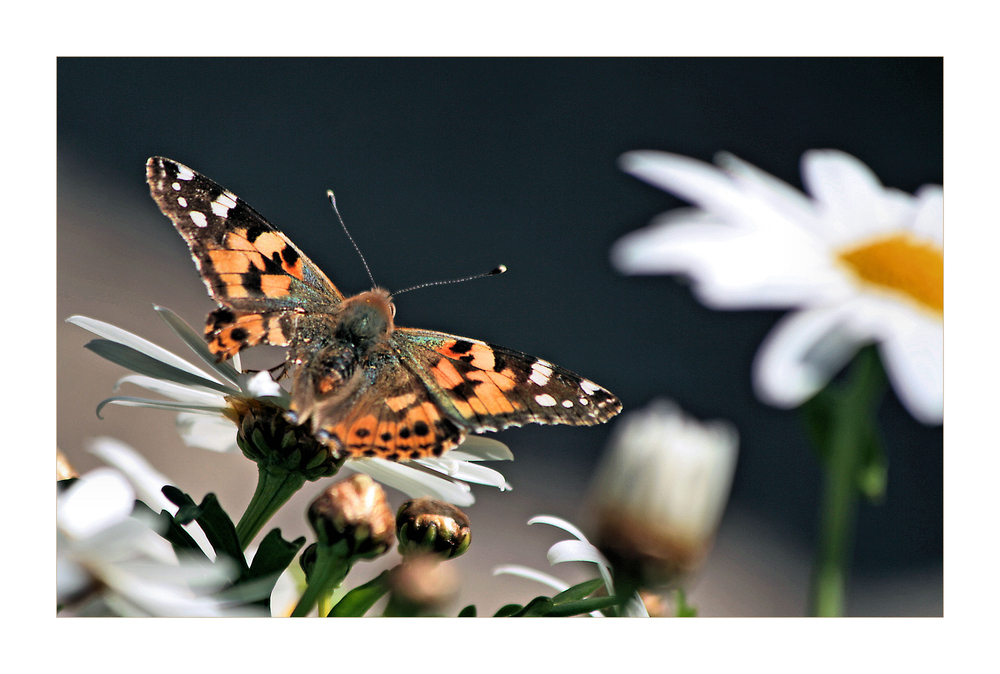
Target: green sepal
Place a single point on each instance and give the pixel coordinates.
(359, 600)
(582, 606)
(468, 612)
(507, 610)
(580, 591)
(539, 606)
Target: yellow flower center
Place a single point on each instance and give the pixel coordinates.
(904, 264)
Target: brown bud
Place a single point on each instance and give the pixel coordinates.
(355, 512)
(426, 526)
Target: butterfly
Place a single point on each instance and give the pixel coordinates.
(367, 387)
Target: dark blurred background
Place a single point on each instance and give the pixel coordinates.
(449, 167)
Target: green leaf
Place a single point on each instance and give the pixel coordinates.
(873, 469)
(213, 520)
(507, 610)
(539, 606)
(580, 591)
(468, 612)
(274, 555)
(582, 606)
(359, 601)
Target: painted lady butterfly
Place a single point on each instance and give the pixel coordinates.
(367, 387)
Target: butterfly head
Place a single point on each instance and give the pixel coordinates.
(366, 318)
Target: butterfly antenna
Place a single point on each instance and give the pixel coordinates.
(333, 202)
(499, 270)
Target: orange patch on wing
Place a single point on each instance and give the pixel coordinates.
(446, 374)
(482, 355)
(490, 394)
(270, 243)
(274, 285)
(293, 269)
(237, 240)
(234, 261)
(398, 403)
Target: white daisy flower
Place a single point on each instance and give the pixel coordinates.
(108, 562)
(203, 399)
(860, 262)
(661, 490)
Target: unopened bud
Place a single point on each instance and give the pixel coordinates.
(660, 494)
(354, 512)
(426, 526)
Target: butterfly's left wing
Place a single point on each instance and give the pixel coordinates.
(262, 281)
(486, 387)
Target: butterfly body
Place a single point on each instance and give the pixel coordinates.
(367, 387)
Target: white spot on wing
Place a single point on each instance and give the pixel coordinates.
(182, 201)
(540, 373)
(545, 400)
(176, 186)
(584, 401)
(589, 387)
(567, 403)
(219, 209)
(227, 199)
(198, 219)
(184, 173)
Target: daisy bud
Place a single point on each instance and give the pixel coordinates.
(426, 526)
(660, 494)
(354, 513)
(268, 439)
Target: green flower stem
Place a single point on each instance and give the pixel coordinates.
(274, 487)
(850, 431)
(331, 567)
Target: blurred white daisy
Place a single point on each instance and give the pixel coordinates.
(111, 563)
(204, 398)
(660, 492)
(862, 263)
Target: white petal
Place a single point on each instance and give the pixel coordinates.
(928, 223)
(559, 523)
(576, 551)
(148, 482)
(207, 431)
(850, 197)
(479, 448)
(412, 482)
(726, 196)
(97, 501)
(801, 353)
(116, 334)
(179, 392)
(733, 268)
(261, 385)
(531, 574)
(914, 363)
(468, 472)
